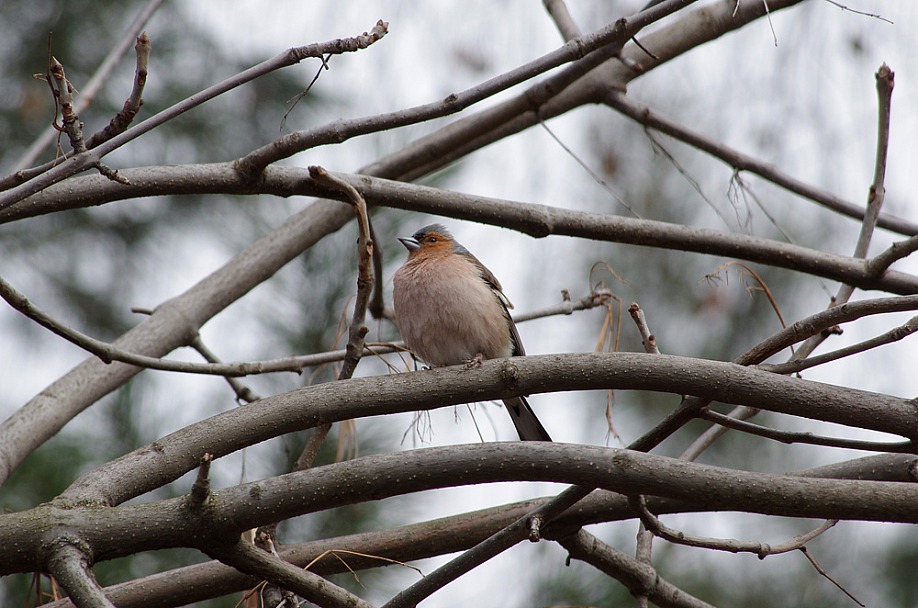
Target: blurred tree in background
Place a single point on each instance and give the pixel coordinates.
(92, 265)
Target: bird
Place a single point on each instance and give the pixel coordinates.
(450, 309)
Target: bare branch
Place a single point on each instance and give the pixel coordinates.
(90, 158)
(69, 563)
(743, 162)
(893, 335)
(370, 478)
(123, 119)
(640, 578)
(200, 491)
(228, 431)
(558, 12)
(247, 558)
(486, 549)
(875, 198)
(829, 578)
(587, 51)
(647, 339)
(763, 550)
(438, 537)
(897, 251)
(94, 85)
(735, 420)
(63, 91)
(541, 220)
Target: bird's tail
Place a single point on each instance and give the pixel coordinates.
(525, 421)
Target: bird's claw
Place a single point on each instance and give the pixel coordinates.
(474, 361)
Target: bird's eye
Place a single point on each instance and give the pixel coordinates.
(431, 239)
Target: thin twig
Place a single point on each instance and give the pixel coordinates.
(857, 12)
(647, 338)
(762, 550)
(357, 329)
(201, 488)
(90, 158)
(644, 540)
(801, 330)
(885, 81)
(94, 85)
(108, 352)
(798, 365)
(244, 393)
(70, 120)
(821, 571)
(593, 174)
(734, 421)
(878, 264)
(743, 162)
(123, 119)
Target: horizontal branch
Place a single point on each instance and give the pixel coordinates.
(533, 219)
(172, 456)
(180, 586)
(118, 531)
(108, 352)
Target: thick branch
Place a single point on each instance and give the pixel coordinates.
(118, 531)
(443, 536)
(71, 568)
(169, 458)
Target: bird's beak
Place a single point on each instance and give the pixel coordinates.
(410, 243)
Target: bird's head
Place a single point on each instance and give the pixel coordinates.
(431, 239)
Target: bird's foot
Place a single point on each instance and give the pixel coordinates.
(474, 361)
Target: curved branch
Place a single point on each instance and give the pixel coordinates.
(533, 219)
(443, 536)
(174, 455)
(118, 531)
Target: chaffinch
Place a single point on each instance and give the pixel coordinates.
(450, 309)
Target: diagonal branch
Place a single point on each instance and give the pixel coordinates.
(875, 198)
(442, 536)
(70, 566)
(486, 549)
(90, 158)
(797, 365)
(640, 578)
(743, 162)
(249, 559)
